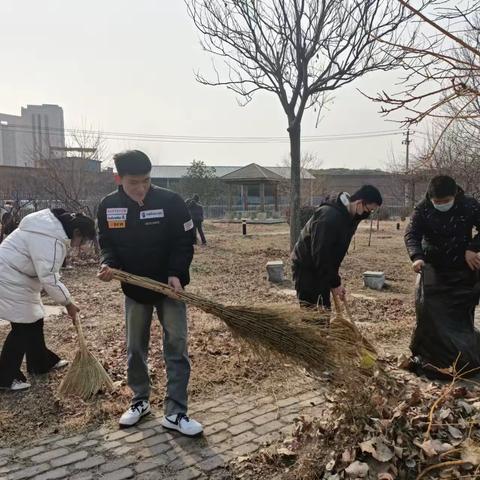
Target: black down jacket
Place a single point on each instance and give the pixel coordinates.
(154, 240)
(441, 238)
(324, 242)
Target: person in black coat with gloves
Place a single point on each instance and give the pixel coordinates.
(445, 254)
(324, 242)
(147, 231)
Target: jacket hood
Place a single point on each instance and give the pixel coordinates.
(339, 201)
(45, 223)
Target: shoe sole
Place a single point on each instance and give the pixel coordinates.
(173, 429)
(8, 389)
(61, 366)
(123, 425)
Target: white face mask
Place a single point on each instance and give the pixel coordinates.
(444, 207)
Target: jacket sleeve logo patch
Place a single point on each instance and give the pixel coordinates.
(117, 223)
(148, 214)
(188, 225)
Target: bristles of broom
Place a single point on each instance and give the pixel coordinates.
(284, 329)
(86, 376)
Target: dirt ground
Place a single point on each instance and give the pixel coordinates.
(231, 269)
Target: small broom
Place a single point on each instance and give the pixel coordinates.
(287, 330)
(86, 376)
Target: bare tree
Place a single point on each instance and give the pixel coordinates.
(443, 68)
(456, 154)
(309, 161)
(72, 175)
(309, 165)
(299, 50)
(19, 185)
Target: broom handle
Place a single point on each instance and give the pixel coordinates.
(145, 282)
(81, 336)
(341, 305)
(346, 307)
(337, 303)
(346, 304)
(366, 342)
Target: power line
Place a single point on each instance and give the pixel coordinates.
(164, 138)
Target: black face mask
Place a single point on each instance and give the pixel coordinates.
(363, 216)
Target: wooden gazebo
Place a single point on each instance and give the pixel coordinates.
(252, 179)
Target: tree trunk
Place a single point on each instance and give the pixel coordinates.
(295, 156)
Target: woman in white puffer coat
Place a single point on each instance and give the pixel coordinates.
(30, 261)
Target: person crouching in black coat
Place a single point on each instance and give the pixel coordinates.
(324, 242)
(445, 254)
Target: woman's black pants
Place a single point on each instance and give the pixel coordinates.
(25, 339)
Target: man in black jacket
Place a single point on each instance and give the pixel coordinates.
(442, 249)
(147, 230)
(196, 212)
(324, 242)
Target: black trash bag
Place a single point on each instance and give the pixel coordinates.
(445, 333)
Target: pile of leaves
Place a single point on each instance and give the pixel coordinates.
(427, 430)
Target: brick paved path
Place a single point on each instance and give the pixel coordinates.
(234, 426)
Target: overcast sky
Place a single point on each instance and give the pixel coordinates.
(128, 66)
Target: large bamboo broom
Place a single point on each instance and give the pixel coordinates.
(287, 330)
(86, 376)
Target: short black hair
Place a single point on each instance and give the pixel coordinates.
(195, 198)
(369, 194)
(442, 186)
(132, 162)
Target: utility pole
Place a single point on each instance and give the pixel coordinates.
(406, 142)
(409, 199)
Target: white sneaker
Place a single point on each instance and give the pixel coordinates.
(19, 385)
(134, 413)
(182, 424)
(61, 364)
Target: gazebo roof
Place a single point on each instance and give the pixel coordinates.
(175, 172)
(285, 173)
(252, 172)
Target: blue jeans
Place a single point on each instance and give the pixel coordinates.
(173, 318)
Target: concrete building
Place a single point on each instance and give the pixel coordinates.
(27, 138)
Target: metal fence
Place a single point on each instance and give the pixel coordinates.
(215, 212)
(394, 212)
(222, 212)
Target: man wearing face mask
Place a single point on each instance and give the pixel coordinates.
(444, 253)
(324, 242)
